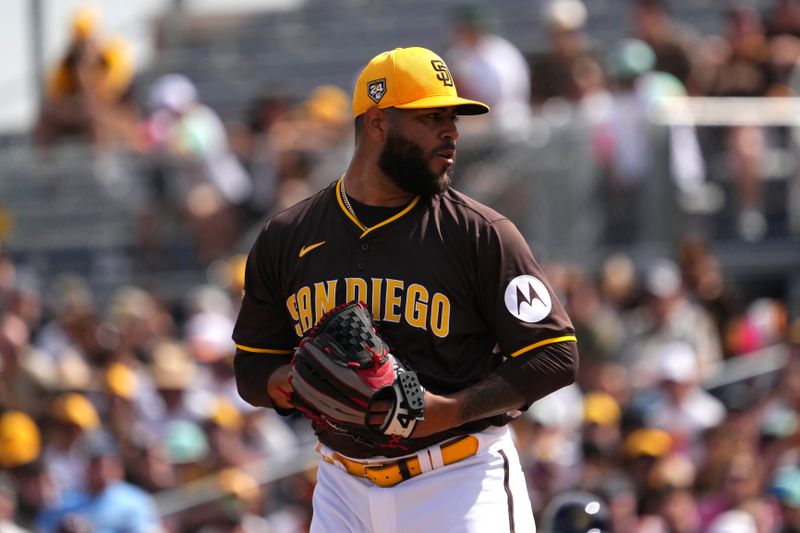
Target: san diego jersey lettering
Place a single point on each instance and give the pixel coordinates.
(389, 300)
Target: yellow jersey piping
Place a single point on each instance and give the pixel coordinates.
(264, 350)
(565, 338)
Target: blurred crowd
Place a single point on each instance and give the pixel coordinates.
(107, 410)
(219, 177)
(112, 411)
(102, 408)
(649, 429)
(617, 88)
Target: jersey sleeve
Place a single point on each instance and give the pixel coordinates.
(521, 306)
(262, 325)
(535, 335)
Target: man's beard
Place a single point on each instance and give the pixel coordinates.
(405, 163)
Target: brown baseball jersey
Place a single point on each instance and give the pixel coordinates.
(452, 285)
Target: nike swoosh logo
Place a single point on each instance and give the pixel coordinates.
(305, 249)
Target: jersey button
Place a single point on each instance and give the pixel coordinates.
(360, 267)
(364, 247)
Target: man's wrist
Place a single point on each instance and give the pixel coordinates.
(441, 414)
(279, 389)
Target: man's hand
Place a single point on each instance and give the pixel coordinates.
(490, 397)
(279, 388)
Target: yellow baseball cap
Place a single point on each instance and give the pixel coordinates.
(409, 78)
(600, 408)
(75, 408)
(20, 440)
(121, 380)
(651, 442)
(225, 414)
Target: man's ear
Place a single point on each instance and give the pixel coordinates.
(376, 124)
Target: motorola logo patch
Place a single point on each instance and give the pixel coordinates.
(528, 299)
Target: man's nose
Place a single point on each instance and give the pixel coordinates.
(450, 131)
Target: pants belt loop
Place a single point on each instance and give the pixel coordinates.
(424, 458)
(436, 457)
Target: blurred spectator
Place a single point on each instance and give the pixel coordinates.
(107, 503)
(673, 43)
(641, 450)
(294, 149)
(679, 405)
(207, 183)
(227, 446)
(272, 434)
(74, 423)
(601, 438)
(762, 323)
(555, 72)
(734, 521)
(784, 18)
(8, 507)
(667, 315)
(549, 442)
(188, 450)
(18, 387)
(598, 324)
(617, 282)
(678, 506)
(601, 419)
(619, 493)
(487, 67)
(239, 508)
(120, 409)
(149, 466)
(740, 488)
(786, 488)
(72, 329)
(257, 141)
(324, 131)
(181, 386)
(136, 318)
(638, 191)
(630, 162)
(705, 282)
(744, 68)
(208, 325)
(89, 91)
(34, 489)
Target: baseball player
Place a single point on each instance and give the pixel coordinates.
(456, 295)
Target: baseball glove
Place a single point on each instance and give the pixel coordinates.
(342, 367)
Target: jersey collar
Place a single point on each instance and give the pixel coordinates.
(365, 230)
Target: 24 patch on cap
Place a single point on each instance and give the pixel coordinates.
(376, 89)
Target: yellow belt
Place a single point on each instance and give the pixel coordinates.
(391, 473)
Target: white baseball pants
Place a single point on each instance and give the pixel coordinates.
(483, 493)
